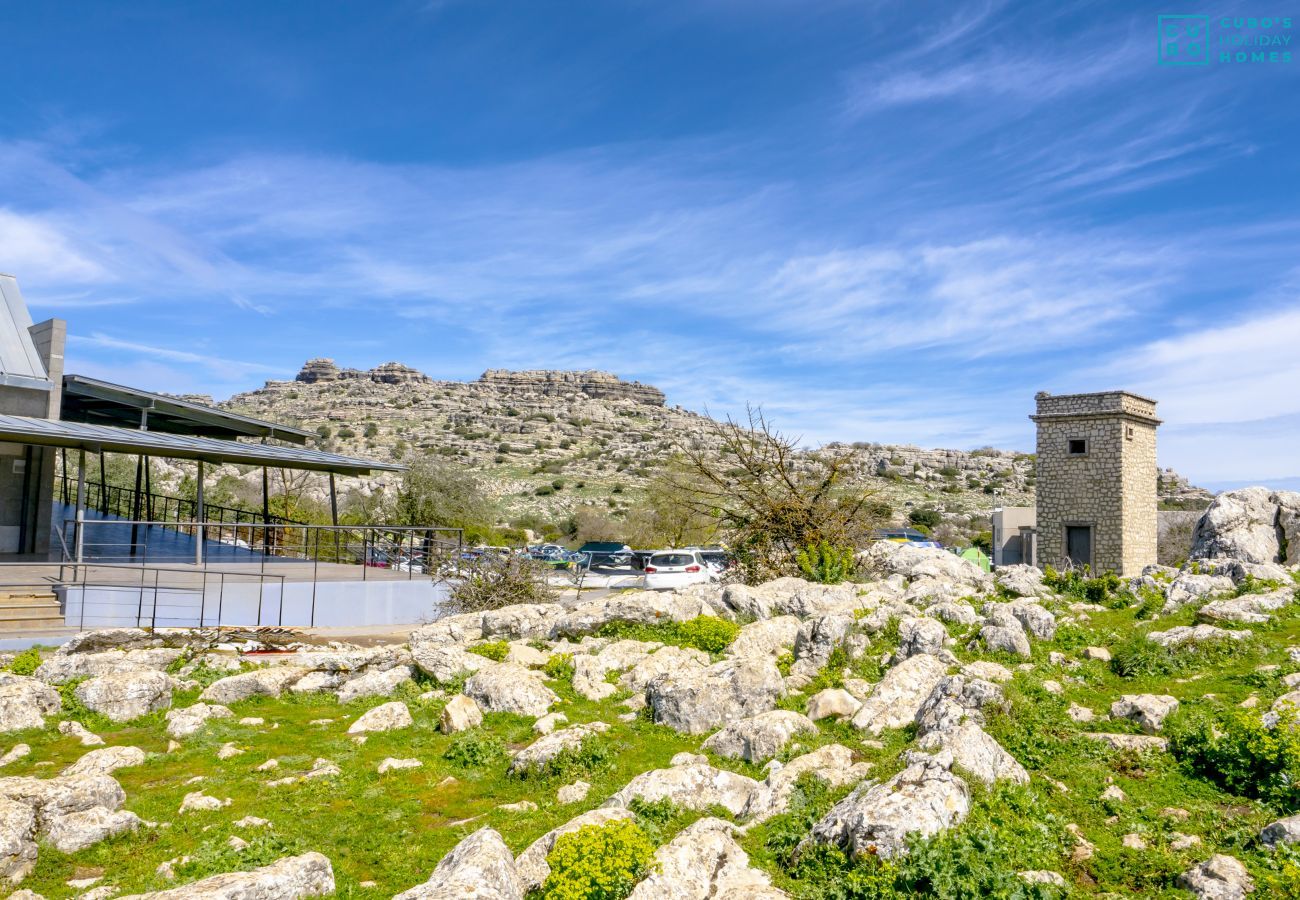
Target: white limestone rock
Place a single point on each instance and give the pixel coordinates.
(385, 717)
(923, 800)
(25, 702)
(125, 696)
(1218, 878)
(692, 786)
(541, 751)
(697, 701)
(480, 867)
(17, 839)
(375, 684)
(1283, 831)
(509, 688)
(63, 667)
(1148, 711)
(460, 713)
(290, 878)
(761, 737)
(896, 699)
(832, 702)
(705, 862)
(106, 761)
(269, 682)
(79, 830)
(191, 719)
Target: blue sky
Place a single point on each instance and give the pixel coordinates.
(883, 221)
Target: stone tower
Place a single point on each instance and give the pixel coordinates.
(1096, 486)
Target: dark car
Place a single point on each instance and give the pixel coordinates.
(607, 553)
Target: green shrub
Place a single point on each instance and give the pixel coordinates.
(1137, 655)
(707, 633)
(1240, 753)
(592, 755)
(474, 749)
(27, 662)
(784, 663)
(925, 519)
(598, 862)
(497, 651)
(559, 667)
(825, 564)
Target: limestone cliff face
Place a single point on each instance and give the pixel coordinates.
(597, 385)
(321, 370)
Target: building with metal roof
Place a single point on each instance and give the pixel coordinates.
(43, 411)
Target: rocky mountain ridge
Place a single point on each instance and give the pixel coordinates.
(549, 441)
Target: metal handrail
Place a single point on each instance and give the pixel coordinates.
(412, 549)
(82, 577)
(120, 500)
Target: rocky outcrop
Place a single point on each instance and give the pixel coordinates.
(696, 701)
(291, 878)
(25, 702)
(1253, 525)
(878, 819)
(549, 383)
(124, 696)
(704, 862)
(694, 784)
(761, 737)
(480, 867)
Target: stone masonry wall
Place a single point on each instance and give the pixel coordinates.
(1111, 487)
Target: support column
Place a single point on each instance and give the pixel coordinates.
(266, 512)
(103, 486)
(135, 502)
(78, 535)
(198, 518)
(334, 515)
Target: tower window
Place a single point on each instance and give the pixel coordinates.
(1078, 446)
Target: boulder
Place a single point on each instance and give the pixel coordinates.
(1188, 587)
(634, 607)
(268, 682)
(25, 702)
(696, 701)
(522, 620)
(1006, 639)
(832, 764)
(922, 800)
(385, 717)
(531, 864)
(509, 688)
(64, 667)
(1196, 634)
(817, 639)
(1021, 581)
(954, 613)
(375, 684)
(106, 761)
(835, 702)
(392, 764)
(290, 878)
(460, 714)
(895, 701)
(1250, 525)
(956, 698)
(1218, 878)
(190, 719)
(445, 663)
(109, 639)
(459, 629)
(1283, 831)
(1147, 710)
(918, 635)
(759, 738)
(126, 695)
(480, 867)
(540, 752)
(913, 563)
(976, 752)
(769, 637)
(1249, 609)
(692, 785)
(17, 840)
(81, 733)
(1139, 743)
(79, 830)
(673, 660)
(704, 862)
(52, 798)
(791, 596)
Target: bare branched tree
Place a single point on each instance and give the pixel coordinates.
(770, 498)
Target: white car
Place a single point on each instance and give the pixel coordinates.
(669, 569)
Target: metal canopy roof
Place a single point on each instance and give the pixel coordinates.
(20, 364)
(106, 438)
(98, 402)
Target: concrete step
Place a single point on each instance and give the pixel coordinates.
(16, 613)
(37, 622)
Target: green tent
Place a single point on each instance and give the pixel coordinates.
(977, 556)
